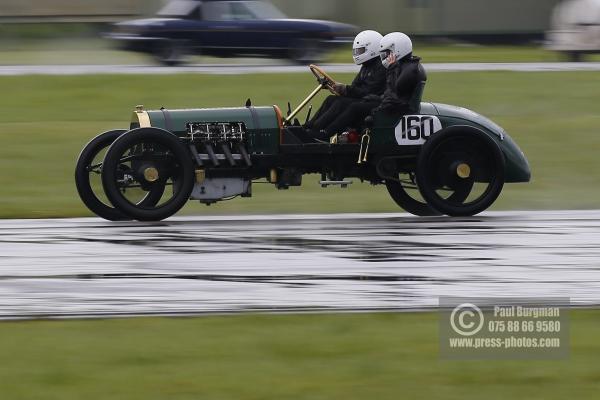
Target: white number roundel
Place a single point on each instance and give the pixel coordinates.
(415, 129)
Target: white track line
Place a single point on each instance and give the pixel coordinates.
(231, 69)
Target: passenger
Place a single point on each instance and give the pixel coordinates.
(368, 84)
(404, 73)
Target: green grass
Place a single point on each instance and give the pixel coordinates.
(81, 50)
(61, 51)
(351, 356)
(45, 121)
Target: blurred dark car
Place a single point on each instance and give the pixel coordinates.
(229, 28)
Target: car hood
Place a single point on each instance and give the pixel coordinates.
(336, 29)
(316, 23)
(144, 22)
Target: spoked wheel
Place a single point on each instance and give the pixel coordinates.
(144, 160)
(460, 172)
(89, 183)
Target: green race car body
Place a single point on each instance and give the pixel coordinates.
(441, 151)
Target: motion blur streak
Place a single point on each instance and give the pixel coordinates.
(193, 265)
(235, 69)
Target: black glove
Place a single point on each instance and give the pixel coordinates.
(340, 88)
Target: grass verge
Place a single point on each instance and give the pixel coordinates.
(46, 120)
(349, 356)
(100, 51)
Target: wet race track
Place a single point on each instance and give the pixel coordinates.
(193, 265)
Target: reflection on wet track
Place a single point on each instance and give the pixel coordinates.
(89, 267)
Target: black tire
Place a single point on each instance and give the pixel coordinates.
(306, 51)
(417, 206)
(82, 176)
(148, 148)
(170, 52)
(574, 56)
(438, 171)
(84, 169)
(407, 202)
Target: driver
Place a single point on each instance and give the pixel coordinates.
(404, 73)
(368, 84)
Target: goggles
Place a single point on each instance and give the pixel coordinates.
(385, 54)
(358, 51)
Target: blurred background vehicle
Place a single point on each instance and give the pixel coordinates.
(229, 28)
(70, 31)
(575, 28)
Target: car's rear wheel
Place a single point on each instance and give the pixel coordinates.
(455, 160)
(405, 193)
(575, 56)
(140, 161)
(88, 178)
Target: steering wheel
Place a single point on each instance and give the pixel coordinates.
(323, 78)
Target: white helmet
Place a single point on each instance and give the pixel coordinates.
(365, 46)
(394, 43)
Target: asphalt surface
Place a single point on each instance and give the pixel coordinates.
(13, 70)
(194, 265)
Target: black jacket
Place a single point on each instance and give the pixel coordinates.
(402, 79)
(369, 82)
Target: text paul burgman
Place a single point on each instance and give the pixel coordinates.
(526, 312)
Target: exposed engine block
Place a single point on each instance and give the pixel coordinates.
(217, 131)
(215, 142)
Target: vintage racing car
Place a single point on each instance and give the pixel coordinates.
(439, 159)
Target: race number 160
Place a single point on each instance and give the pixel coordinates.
(415, 129)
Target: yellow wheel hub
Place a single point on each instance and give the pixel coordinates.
(151, 174)
(463, 170)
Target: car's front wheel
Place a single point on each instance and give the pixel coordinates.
(170, 52)
(142, 161)
(305, 51)
(87, 178)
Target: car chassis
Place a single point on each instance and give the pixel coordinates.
(439, 159)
